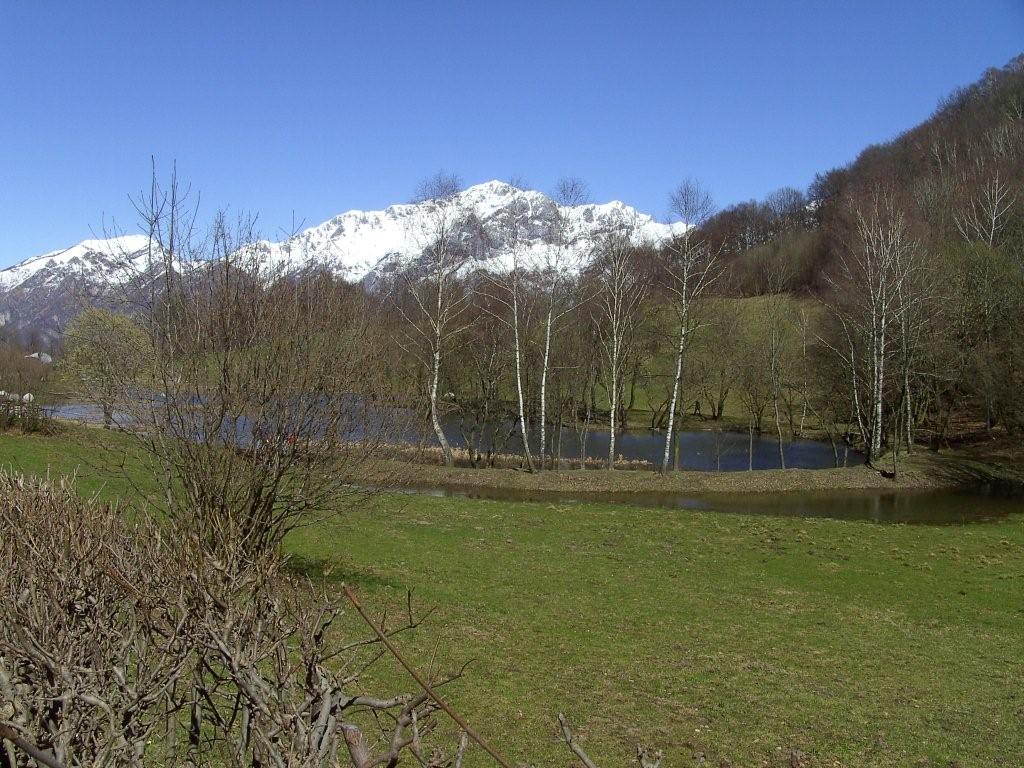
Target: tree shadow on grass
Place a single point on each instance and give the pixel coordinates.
(971, 474)
(327, 571)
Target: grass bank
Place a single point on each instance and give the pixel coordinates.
(919, 471)
(714, 637)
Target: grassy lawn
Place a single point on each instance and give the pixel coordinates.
(102, 463)
(735, 637)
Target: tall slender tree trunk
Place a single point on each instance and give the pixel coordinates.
(523, 426)
(909, 416)
(543, 385)
(778, 430)
(750, 445)
(803, 362)
(677, 448)
(446, 449)
(675, 397)
(878, 392)
(614, 396)
(776, 386)
(856, 397)
(585, 428)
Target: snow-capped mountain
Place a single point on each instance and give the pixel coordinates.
(358, 244)
(89, 257)
(43, 292)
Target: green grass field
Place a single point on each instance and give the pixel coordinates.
(734, 637)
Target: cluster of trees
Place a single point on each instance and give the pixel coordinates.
(633, 334)
(889, 299)
(524, 350)
(880, 308)
(23, 366)
(937, 221)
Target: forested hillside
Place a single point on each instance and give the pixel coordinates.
(891, 301)
(936, 217)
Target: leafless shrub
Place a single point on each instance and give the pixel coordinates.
(126, 643)
(93, 639)
(261, 386)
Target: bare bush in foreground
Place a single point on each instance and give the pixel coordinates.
(93, 640)
(260, 386)
(124, 644)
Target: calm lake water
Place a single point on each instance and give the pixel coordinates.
(729, 451)
(701, 450)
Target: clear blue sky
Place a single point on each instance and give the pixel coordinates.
(317, 108)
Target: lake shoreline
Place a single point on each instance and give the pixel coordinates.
(922, 471)
(925, 471)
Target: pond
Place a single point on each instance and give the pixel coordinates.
(983, 503)
(707, 450)
(729, 451)
(717, 450)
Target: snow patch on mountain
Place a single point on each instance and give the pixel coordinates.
(107, 258)
(356, 244)
(45, 291)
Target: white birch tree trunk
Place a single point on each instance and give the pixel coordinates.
(543, 385)
(446, 449)
(878, 390)
(666, 455)
(910, 411)
(524, 429)
(613, 396)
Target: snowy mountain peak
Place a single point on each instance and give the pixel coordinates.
(357, 244)
(45, 291)
(88, 257)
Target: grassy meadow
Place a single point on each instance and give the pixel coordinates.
(714, 637)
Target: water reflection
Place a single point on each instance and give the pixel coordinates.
(708, 450)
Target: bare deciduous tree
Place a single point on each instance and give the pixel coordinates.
(873, 272)
(690, 267)
(556, 282)
(621, 288)
(261, 390)
(429, 294)
(985, 216)
(508, 288)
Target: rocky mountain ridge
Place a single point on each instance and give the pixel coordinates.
(43, 292)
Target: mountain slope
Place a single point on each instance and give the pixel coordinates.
(43, 292)
(358, 244)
